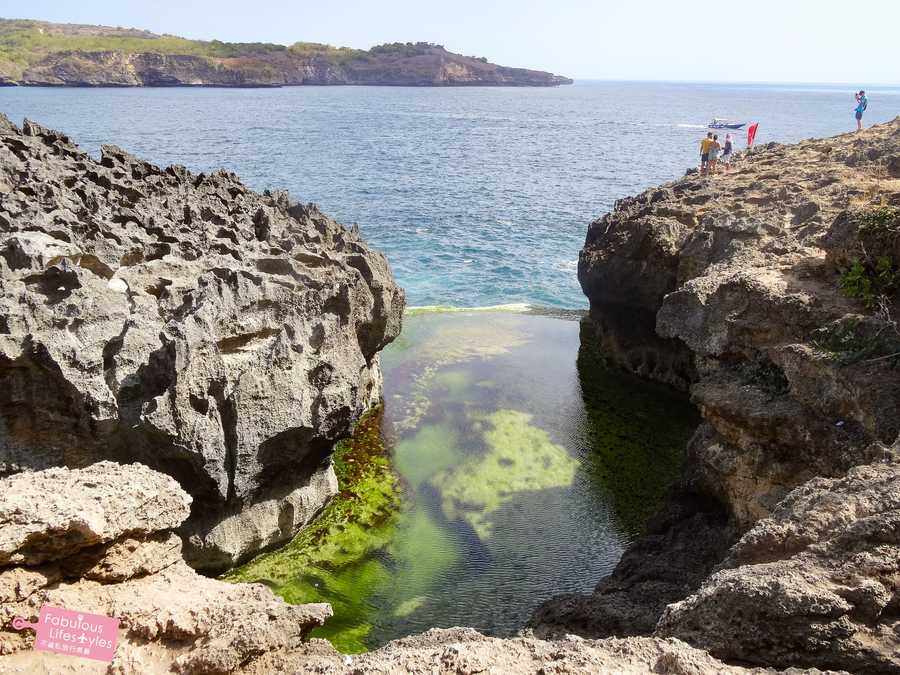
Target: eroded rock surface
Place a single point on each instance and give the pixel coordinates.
(816, 584)
(122, 559)
(224, 337)
(738, 280)
(464, 650)
(771, 294)
(174, 621)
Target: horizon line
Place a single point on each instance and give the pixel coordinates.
(639, 80)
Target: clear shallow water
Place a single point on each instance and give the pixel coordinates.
(479, 196)
(521, 480)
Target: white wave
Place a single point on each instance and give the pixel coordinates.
(434, 309)
(691, 126)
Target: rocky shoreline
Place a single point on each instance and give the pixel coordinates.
(226, 340)
(771, 294)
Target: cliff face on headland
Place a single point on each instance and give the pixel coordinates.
(37, 53)
(223, 337)
(771, 293)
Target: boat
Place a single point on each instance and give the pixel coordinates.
(719, 123)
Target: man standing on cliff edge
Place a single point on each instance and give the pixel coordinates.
(861, 104)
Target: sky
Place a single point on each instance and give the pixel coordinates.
(846, 41)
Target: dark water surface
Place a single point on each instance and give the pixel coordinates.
(479, 196)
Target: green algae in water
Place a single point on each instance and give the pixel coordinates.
(520, 458)
(331, 560)
(638, 431)
(422, 551)
(431, 450)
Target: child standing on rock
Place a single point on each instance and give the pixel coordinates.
(714, 148)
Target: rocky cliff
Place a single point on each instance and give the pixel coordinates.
(100, 540)
(38, 53)
(223, 337)
(771, 293)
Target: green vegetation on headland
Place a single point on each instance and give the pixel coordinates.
(41, 53)
(874, 273)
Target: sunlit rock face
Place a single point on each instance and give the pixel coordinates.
(100, 540)
(224, 337)
(742, 288)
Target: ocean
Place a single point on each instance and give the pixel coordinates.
(479, 196)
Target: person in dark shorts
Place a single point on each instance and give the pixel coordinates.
(705, 145)
(728, 152)
(861, 104)
(713, 157)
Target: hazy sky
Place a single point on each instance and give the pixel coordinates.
(853, 41)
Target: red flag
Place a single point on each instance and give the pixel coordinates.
(751, 134)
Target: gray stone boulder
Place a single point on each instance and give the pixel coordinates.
(100, 540)
(817, 584)
(224, 337)
(52, 514)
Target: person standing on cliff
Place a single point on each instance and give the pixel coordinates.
(728, 152)
(705, 145)
(714, 148)
(861, 104)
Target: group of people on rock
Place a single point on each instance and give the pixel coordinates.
(712, 152)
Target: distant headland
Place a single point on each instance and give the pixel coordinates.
(38, 53)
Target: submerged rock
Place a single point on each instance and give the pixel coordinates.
(223, 337)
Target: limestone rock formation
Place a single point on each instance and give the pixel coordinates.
(120, 558)
(738, 280)
(817, 584)
(54, 513)
(464, 650)
(221, 336)
(772, 293)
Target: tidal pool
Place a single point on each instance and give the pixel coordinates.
(504, 468)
